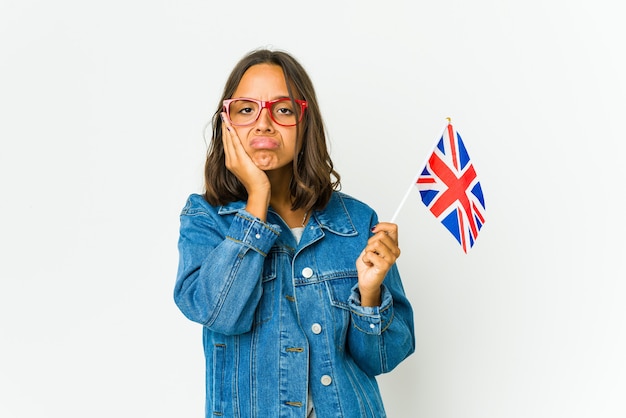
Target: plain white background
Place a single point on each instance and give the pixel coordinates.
(102, 108)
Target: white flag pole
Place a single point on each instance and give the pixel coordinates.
(421, 168)
(408, 191)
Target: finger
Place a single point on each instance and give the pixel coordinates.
(387, 233)
(380, 262)
(363, 259)
(227, 139)
(388, 228)
(383, 246)
(382, 242)
(229, 134)
(386, 253)
(234, 151)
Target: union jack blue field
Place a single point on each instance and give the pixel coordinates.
(449, 187)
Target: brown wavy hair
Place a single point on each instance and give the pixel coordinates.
(314, 177)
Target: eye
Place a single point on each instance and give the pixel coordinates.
(243, 107)
(283, 108)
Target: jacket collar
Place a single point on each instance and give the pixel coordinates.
(334, 217)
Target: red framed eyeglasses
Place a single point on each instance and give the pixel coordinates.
(243, 111)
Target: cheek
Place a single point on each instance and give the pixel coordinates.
(290, 140)
(242, 134)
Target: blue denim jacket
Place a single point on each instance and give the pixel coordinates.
(281, 318)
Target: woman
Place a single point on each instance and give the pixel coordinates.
(295, 283)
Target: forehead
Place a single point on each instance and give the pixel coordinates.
(263, 82)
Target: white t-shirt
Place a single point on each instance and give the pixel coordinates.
(310, 412)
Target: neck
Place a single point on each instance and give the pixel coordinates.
(281, 200)
(280, 181)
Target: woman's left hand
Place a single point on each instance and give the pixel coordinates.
(380, 253)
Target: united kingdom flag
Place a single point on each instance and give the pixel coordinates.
(449, 187)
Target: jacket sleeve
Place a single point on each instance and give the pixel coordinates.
(380, 337)
(218, 282)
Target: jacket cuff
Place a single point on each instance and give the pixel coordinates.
(371, 319)
(253, 233)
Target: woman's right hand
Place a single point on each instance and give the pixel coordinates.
(239, 163)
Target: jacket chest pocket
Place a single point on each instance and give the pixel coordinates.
(339, 291)
(268, 283)
(340, 288)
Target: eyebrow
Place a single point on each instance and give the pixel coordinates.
(274, 98)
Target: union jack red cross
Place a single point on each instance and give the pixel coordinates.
(449, 187)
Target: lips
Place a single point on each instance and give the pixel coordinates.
(263, 142)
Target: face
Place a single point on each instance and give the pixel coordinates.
(269, 145)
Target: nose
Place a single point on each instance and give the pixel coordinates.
(264, 121)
